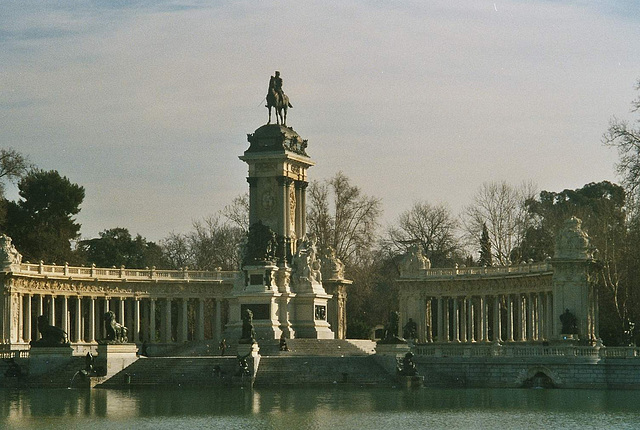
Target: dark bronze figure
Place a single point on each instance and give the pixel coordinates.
(116, 332)
(410, 330)
(277, 99)
(51, 335)
(248, 332)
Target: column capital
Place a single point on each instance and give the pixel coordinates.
(301, 185)
(284, 181)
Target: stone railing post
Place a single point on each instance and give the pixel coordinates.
(41, 267)
(152, 272)
(66, 268)
(93, 270)
(121, 272)
(185, 272)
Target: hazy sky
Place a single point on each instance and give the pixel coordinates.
(147, 103)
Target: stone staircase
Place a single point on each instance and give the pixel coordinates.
(318, 348)
(321, 370)
(176, 371)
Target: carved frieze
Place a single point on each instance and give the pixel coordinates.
(93, 288)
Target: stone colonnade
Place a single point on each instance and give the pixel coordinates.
(155, 306)
(509, 317)
(152, 320)
(479, 304)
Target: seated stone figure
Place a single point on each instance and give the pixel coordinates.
(51, 335)
(116, 332)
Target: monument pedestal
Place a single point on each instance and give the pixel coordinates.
(388, 354)
(113, 358)
(45, 359)
(310, 312)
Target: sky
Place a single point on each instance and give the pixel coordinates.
(147, 104)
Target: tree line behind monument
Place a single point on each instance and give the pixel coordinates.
(504, 224)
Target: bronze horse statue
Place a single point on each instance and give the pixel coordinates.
(280, 102)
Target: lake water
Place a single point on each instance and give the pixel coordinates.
(325, 408)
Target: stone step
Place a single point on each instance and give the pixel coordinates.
(182, 371)
(320, 370)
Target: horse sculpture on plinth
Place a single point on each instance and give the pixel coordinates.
(277, 99)
(116, 332)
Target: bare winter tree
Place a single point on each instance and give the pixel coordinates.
(433, 227)
(342, 217)
(502, 207)
(626, 139)
(237, 212)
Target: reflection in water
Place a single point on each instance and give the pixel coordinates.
(317, 408)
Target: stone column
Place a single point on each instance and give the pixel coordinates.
(78, 337)
(152, 320)
(253, 199)
(200, 320)
(52, 310)
(455, 319)
(218, 322)
(183, 330)
(463, 319)
(27, 318)
(121, 316)
(470, 323)
(440, 324)
(39, 311)
(166, 335)
(497, 320)
(509, 318)
(530, 323)
(136, 319)
(522, 317)
(64, 324)
(550, 313)
(445, 317)
(540, 316)
(92, 319)
(104, 311)
(301, 196)
(482, 329)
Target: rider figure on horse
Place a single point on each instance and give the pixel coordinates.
(275, 84)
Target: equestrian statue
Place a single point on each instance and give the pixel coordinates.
(277, 99)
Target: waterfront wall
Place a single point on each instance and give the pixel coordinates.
(515, 372)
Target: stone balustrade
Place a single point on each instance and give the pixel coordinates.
(99, 273)
(459, 271)
(525, 351)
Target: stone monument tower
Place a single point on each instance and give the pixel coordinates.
(282, 279)
(575, 303)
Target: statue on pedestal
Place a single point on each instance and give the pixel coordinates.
(332, 267)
